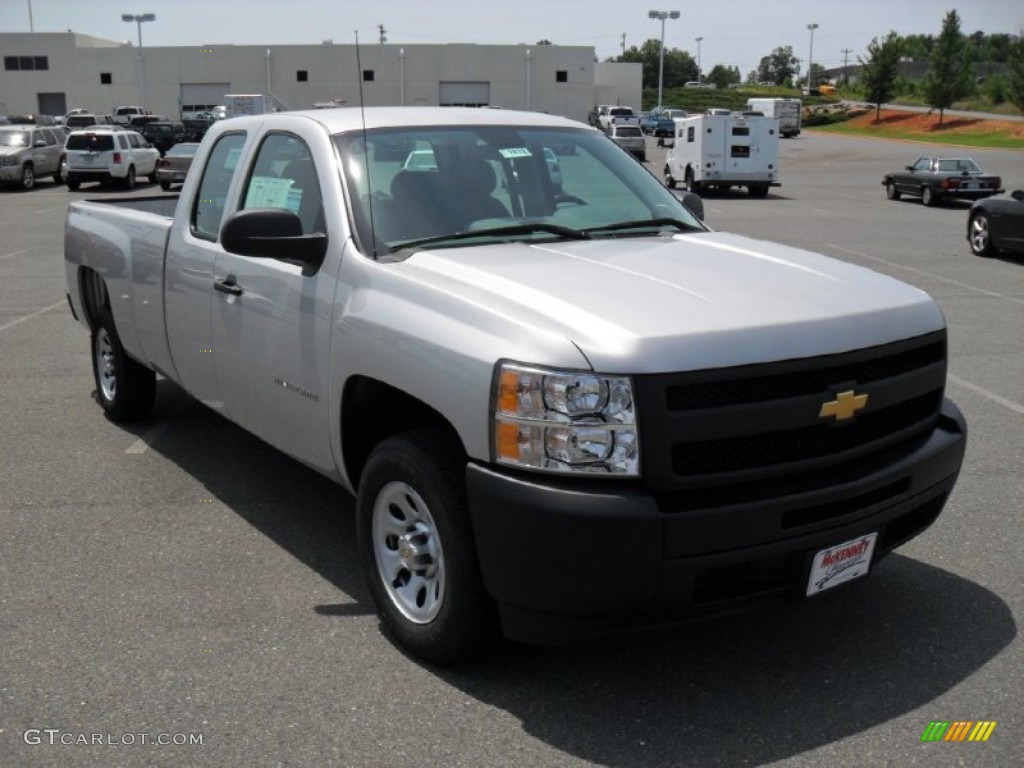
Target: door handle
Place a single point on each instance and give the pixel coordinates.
(228, 285)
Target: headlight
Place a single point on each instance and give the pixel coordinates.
(565, 421)
(9, 160)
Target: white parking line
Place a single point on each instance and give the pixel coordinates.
(11, 255)
(928, 274)
(20, 320)
(50, 210)
(1016, 407)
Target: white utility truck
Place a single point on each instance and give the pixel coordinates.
(723, 151)
(788, 112)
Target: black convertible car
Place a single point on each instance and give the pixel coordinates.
(997, 224)
(934, 179)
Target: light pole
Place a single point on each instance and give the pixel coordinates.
(662, 15)
(810, 59)
(699, 78)
(138, 18)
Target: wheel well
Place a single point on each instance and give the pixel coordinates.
(373, 411)
(94, 295)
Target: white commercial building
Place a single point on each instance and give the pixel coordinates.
(51, 73)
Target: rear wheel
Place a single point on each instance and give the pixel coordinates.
(418, 548)
(129, 180)
(74, 184)
(928, 197)
(28, 176)
(165, 186)
(692, 185)
(758, 190)
(891, 191)
(670, 182)
(980, 235)
(125, 389)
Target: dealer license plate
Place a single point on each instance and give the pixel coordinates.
(841, 563)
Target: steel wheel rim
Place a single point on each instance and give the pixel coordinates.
(979, 233)
(407, 550)
(28, 177)
(106, 373)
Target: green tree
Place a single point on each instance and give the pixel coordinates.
(1015, 75)
(680, 66)
(723, 76)
(779, 66)
(951, 75)
(878, 71)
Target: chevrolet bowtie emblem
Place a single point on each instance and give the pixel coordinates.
(844, 407)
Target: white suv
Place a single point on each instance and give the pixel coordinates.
(108, 154)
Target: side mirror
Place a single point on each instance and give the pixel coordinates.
(273, 233)
(910, 167)
(1018, 195)
(694, 203)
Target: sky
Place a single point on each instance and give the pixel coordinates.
(735, 32)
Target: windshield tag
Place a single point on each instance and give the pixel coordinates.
(511, 153)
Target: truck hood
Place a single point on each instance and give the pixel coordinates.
(682, 302)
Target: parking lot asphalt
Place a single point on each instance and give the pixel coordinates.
(183, 579)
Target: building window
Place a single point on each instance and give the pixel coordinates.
(367, 75)
(26, 63)
(302, 76)
(562, 76)
(105, 78)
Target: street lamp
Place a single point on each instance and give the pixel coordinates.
(698, 39)
(662, 15)
(810, 59)
(138, 18)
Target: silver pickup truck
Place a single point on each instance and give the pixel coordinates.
(565, 406)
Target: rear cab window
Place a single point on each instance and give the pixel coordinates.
(211, 197)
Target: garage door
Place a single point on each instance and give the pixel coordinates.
(200, 97)
(465, 94)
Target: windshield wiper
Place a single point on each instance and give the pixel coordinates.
(645, 224)
(515, 229)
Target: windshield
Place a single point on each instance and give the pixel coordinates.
(13, 139)
(496, 184)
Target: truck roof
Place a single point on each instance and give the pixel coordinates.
(343, 119)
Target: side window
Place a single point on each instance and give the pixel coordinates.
(48, 137)
(284, 176)
(122, 140)
(208, 209)
(689, 133)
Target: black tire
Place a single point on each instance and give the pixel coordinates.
(891, 191)
(670, 182)
(412, 510)
(165, 186)
(129, 180)
(691, 184)
(74, 184)
(125, 389)
(152, 178)
(979, 235)
(642, 157)
(28, 177)
(928, 197)
(758, 190)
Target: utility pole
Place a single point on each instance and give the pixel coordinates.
(846, 73)
(383, 34)
(623, 43)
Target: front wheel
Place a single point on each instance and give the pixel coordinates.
(28, 176)
(418, 548)
(125, 389)
(980, 235)
(670, 181)
(891, 191)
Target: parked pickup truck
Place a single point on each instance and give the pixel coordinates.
(563, 410)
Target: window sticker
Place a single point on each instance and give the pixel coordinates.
(511, 153)
(268, 192)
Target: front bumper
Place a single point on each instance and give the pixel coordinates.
(567, 559)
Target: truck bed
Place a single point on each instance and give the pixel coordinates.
(124, 240)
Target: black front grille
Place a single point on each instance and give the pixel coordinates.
(716, 392)
(743, 430)
(759, 450)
